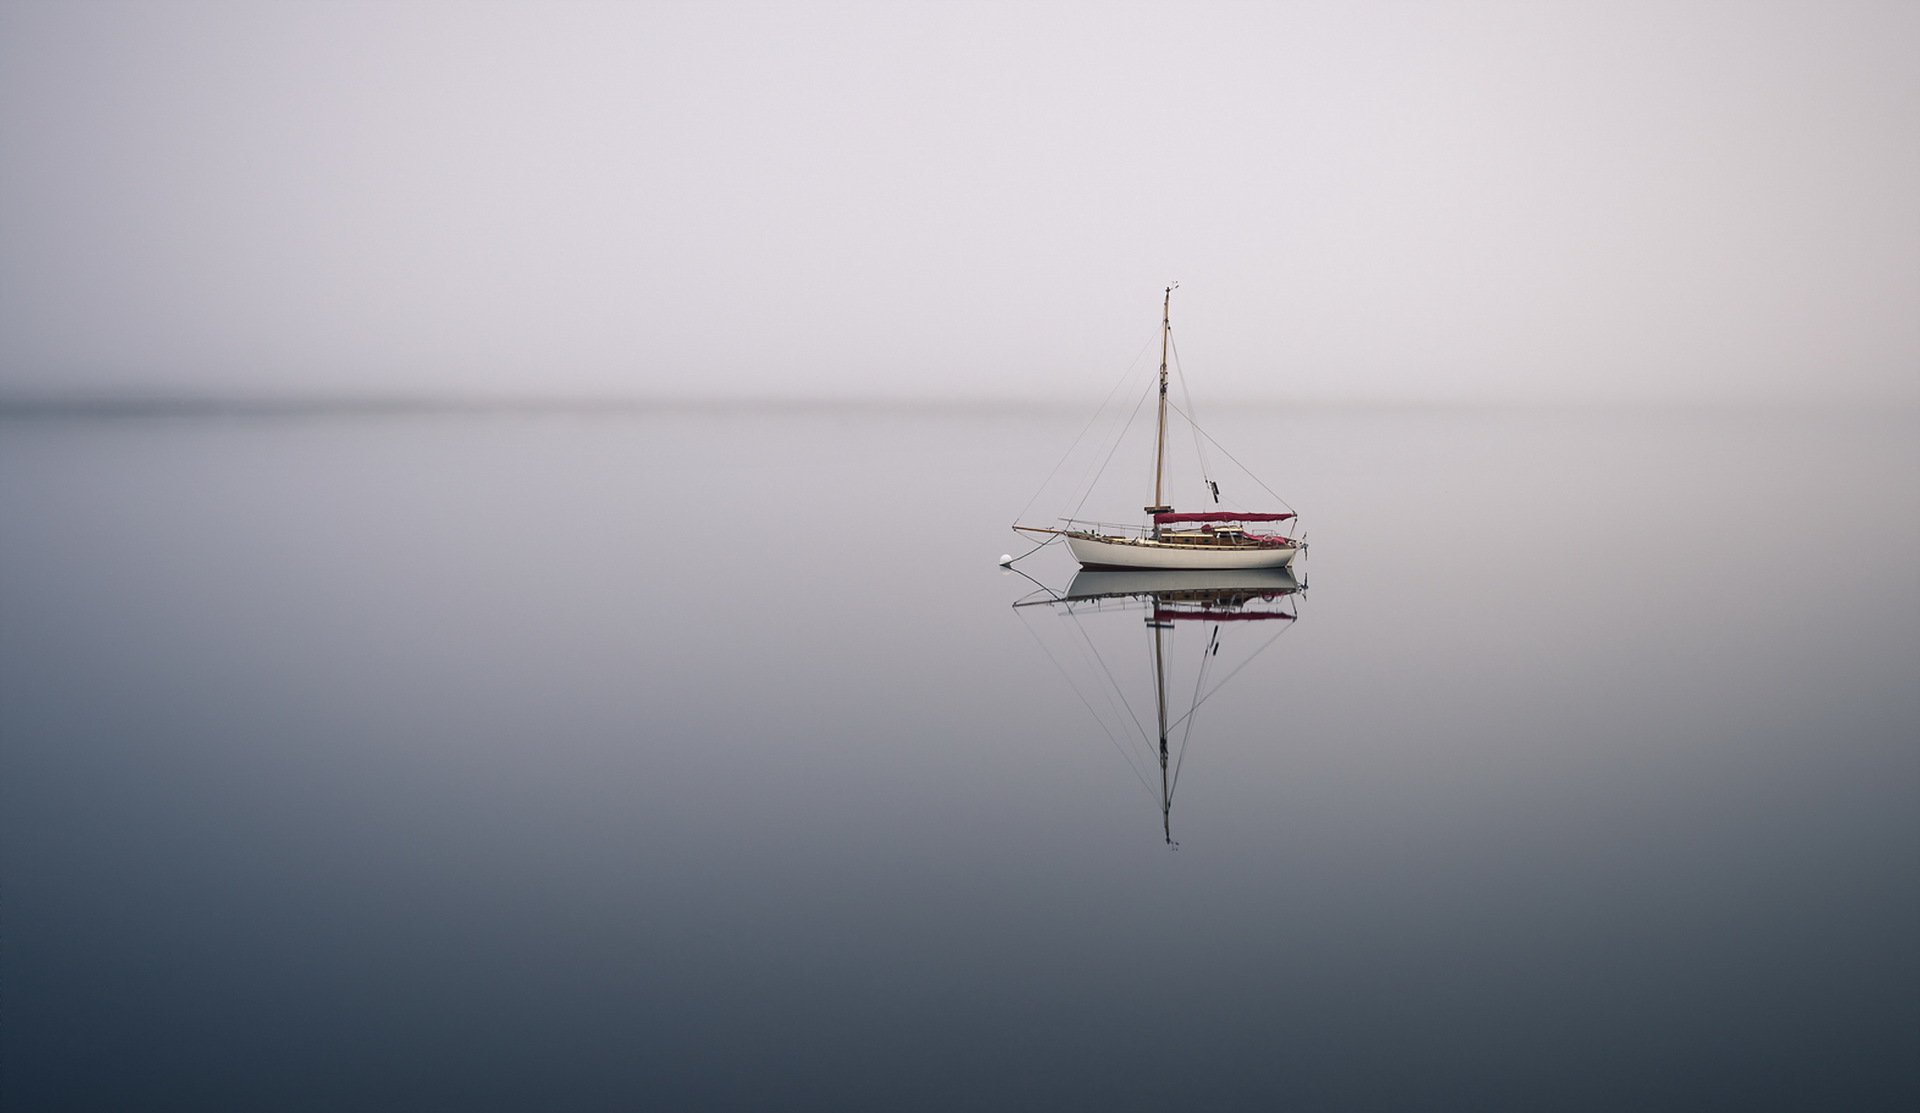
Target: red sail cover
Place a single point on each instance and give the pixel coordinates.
(1218, 516)
(1210, 614)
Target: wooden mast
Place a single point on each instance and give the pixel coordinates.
(1160, 699)
(1160, 436)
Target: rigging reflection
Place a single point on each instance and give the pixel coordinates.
(1188, 616)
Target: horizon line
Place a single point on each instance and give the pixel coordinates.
(136, 404)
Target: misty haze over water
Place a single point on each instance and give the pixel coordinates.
(1451, 202)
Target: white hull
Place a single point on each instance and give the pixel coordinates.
(1125, 552)
(1092, 584)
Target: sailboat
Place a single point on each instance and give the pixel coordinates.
(1168, 598)
(1216, 540)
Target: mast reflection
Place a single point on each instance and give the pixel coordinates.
(1169, 603)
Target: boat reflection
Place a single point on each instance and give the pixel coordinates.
(1183, 613)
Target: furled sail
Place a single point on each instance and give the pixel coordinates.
(1169, 518)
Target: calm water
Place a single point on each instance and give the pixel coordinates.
(699, 760)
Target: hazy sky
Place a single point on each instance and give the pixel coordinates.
(1362, 200)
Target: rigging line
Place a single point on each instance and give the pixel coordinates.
(1029, 552)
(1211, 692)
(1230, 456)
(1199, 679)
(1206, 476)
(1125, 754)
(1113, 685)
(1120, 431)
(1094, 467)
(1153, 678)
(1056, 596)
(1122, 435)
(1098, 410)
(1075, 688)
(1115, 695)
(1090, 656)
(1236, 672)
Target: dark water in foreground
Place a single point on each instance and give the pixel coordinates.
(700, 761)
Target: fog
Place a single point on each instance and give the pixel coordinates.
(1505, 202)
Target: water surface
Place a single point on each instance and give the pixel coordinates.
(690, 759)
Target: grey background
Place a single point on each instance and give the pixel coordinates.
(1371, 201)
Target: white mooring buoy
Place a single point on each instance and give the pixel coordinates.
(1006, 559)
